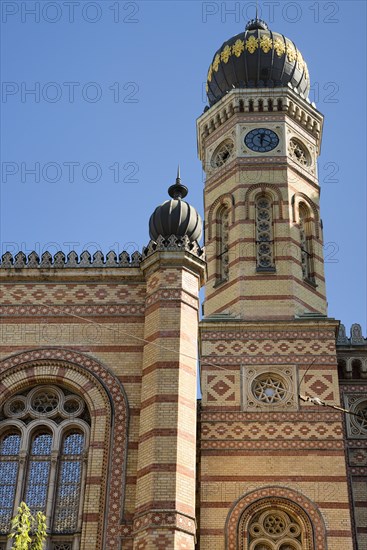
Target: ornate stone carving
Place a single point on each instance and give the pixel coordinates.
(59, 259)
(357, 422)
(7, 260)
(33, 260)
(111, 259)
(98, 259)
(46, 260)
(342, 337)
(269, 388)
(85, 259)
(72, 260)
(20, 260)
(173, 243)
(356, 337)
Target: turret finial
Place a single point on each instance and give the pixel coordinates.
(177, 190)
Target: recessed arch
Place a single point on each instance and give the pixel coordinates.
(106, 400)
(266, 188)
(226, 200)
(298, 198)
(294, 502)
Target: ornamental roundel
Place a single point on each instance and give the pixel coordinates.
(357, 422)
(299, 153)
(269, 388)
(266, 389)
(222, 154)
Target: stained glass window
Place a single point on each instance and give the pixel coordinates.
(68, 488)
(51, 486)
(38, 473)
(9, 451)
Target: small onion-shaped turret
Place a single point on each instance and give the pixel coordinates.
(176, 216)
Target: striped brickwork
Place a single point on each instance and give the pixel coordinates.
(85, 329)
(165, 497)
(247, 292)
(77, 320)
(353, 390)
(290, 451)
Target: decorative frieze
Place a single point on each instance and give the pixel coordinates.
(98, 260)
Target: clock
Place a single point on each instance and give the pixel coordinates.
(261, 140)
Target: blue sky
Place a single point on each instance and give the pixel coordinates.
(117, 90)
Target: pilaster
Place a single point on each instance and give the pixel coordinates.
(165, 491)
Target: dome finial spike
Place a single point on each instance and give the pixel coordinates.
(177, 190)
(257, 23)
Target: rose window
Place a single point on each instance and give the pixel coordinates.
(275, 530)
(298, 153)
(45, 401)
(269, 389)
(222, 154)
(17, 406)
(274, 524)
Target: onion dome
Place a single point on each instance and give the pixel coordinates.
(176, 216)
(257, 58)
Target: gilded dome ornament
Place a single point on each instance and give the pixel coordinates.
(257, 58)
(252, 44)
(266, 43)
(279, 47)
(226, 54)
(216, 62)
(238, 47)
(210, 73)
(291, 52)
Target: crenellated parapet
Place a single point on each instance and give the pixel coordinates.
(71, 260)
(352, 353)
(98, 259)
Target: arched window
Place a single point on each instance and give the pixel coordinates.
(264, 234)
(38, 472)
(305, 235)
(69, 484)
(43, 441)
(9, 455)
(222, 245)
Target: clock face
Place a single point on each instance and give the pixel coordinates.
(261, 140)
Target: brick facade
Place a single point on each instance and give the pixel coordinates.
(253, 466)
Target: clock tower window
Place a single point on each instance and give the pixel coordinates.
(306, 243)
(222, 245)
(264, 234)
